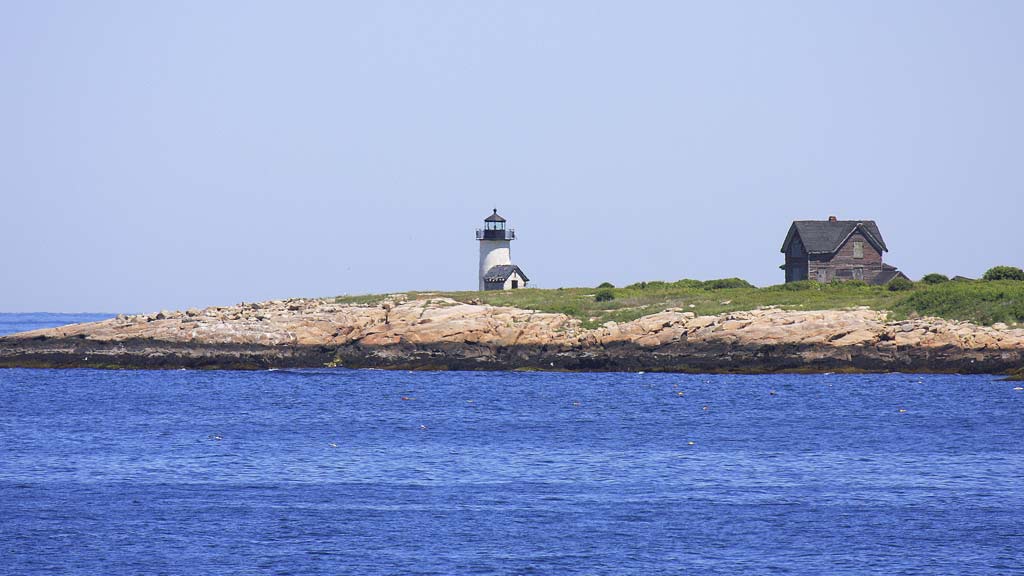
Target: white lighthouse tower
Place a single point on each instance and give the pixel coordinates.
(497, 272)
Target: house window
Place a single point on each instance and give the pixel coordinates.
(858, 249)
(858, 273)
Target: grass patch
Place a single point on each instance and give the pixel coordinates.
(635, 301)
(981, 302)
(364, 299)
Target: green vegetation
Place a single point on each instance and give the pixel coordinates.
(899, 284)
(606, 285)
(725, 283)
(1004, 273)
(985, 302)
(935, 278)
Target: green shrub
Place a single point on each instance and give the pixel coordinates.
(604, 295)
(900, 284)
(1004, 273)
(649, 285)
(723, 283)
(687, 283)
(606, 285)
(935, 278)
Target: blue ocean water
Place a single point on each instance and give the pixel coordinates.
(11, 322)
(336, 471)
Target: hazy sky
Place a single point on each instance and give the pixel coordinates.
(174, 154)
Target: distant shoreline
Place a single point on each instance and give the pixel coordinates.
(14, 322)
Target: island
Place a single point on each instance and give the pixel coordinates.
(724, 326)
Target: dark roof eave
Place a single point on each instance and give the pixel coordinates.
(821, 236)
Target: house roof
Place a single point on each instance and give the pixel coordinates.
(502, 273)
(888, 274)
(494, 217)
(827, 236)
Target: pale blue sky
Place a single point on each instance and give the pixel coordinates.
(167, 155)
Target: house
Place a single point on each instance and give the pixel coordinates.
(505, 277)
(833, 249)
(496, 271)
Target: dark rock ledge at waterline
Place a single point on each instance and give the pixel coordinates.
(440, 333)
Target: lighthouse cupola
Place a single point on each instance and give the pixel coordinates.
(496, 270)
(494, 228)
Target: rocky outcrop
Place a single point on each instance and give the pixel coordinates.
(444, 334)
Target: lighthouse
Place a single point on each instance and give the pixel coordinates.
(497, 272)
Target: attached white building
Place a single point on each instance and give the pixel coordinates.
(505, 277)
(497, 272)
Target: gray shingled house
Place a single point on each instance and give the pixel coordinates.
(827, 250)
(505, 277)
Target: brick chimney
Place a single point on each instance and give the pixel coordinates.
(832, 219)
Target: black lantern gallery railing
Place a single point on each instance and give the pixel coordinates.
(507, 234)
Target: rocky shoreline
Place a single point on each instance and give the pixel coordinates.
(440, 333)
